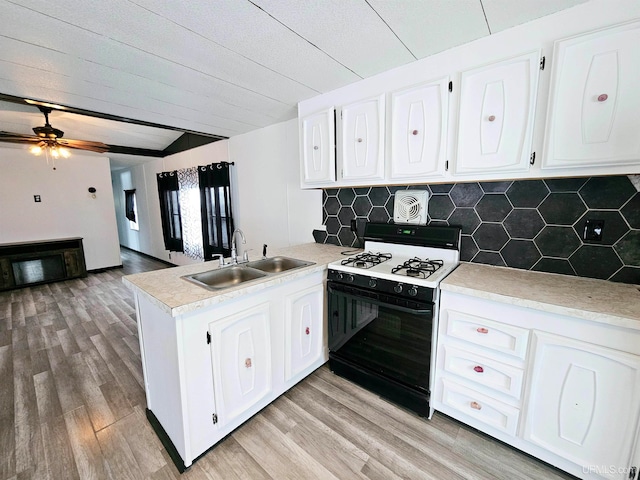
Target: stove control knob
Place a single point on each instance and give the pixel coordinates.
(340, 276)
(349, 278)
(398, 288)
(413, 291)
(373, 283)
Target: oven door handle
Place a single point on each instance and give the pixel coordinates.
(413, 311)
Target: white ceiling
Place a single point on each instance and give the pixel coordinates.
(220, 67)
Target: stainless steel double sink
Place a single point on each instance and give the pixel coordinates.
(226, 277)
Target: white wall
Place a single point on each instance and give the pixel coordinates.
(268, 204)
(67, 208)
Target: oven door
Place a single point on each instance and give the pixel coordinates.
(382, 334)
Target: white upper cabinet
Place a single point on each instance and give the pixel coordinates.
(318, 148)
(418, 134)
(495, 120)
(362, 140)
(593, 119)
(584, 402)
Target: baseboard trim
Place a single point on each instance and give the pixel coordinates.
(149, 256)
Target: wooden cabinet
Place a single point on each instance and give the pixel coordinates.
(583, 402)
(361, 144)
(561, 388)
(43, 261)
(241, 362)
(318, 152)
(592, 117)
(495, 119)
(418, 133)
(304, 330)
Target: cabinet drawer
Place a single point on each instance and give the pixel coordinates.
(487, 333)
(481, 407)
(484, 371)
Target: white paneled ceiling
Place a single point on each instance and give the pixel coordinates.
(220, 67)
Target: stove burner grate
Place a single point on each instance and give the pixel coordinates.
(417, 267)
(366, 259)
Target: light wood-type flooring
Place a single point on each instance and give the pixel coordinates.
(72, 407)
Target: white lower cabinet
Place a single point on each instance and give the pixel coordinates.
(241, 361)
(563, 389)
(208, 371)
(304, 330)
(583, 401)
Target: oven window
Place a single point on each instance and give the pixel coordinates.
(392, 341)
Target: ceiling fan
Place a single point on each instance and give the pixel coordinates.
(47, 137)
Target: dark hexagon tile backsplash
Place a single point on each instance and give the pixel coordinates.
(529, 224)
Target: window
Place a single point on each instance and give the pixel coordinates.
(215, 203)
(131, 208)
(168, 190)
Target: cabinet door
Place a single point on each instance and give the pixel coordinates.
(495, 122)
(593, 108)
(304, 332)
(6, 276)
(318, 148)
(72, 263)
(362, 140)
(419, 130)
(584, 402)
(241, 356)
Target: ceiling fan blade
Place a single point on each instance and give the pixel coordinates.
(18, 138)
(98, 147)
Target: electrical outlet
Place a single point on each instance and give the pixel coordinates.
(593, 230)
(354, 225)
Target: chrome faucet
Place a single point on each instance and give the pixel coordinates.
(220, 257)
(234, 252)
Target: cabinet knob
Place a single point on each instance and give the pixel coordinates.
(603, 97)
(414, 132)
(307, 331)
(475, 406)
(492, 118)
(316, 147)
(359, 140)
(478, 369)
(482, 330)
(247, 362)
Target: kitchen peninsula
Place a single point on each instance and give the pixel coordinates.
(213, 358)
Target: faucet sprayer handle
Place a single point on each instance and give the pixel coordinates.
(264, 251)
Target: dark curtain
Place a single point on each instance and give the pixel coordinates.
(170, 211)
(129, 211)
(215, 202)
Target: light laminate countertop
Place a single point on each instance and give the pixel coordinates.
(598, 300)
(176, 296)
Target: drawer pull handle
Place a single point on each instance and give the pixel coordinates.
(603, 97)
(414, 132)
(315, 147)
(478, 369)
(475, 406)
(482, 330)
(247, 363)
(492, 118)
(307, 331)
